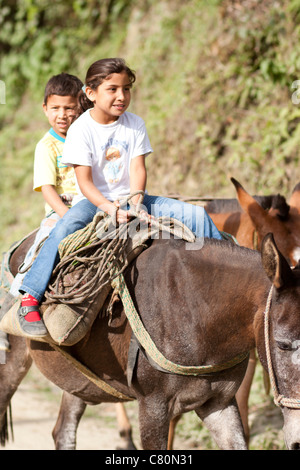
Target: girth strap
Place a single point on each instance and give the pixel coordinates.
(90, 375)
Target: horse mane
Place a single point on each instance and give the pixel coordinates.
(226, 247)
(273, 201)
(217, 206)
(279, 203)
(229, 249)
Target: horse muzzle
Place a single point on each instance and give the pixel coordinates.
(291, 428)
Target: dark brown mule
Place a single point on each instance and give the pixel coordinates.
(200, 307)
(249, 219)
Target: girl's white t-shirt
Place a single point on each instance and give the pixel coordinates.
(108, 150)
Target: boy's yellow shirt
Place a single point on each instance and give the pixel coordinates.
(48, 168)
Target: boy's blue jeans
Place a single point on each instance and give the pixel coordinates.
(37, 278)
(46, 226)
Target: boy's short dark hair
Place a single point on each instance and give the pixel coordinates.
(63, 84)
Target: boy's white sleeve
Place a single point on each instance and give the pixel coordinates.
(77, 150)
(44, 167)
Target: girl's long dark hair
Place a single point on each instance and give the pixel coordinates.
(101, 70)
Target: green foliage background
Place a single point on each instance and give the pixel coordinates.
(214, 85)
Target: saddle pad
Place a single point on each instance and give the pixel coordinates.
(67, 325)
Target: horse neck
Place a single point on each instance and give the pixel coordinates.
(241, 289)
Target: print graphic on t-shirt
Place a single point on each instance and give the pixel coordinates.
(59, 163)
(65, 176)
(113, 168)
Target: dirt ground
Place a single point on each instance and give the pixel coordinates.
(35, 408)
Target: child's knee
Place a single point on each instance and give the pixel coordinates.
(62, 229)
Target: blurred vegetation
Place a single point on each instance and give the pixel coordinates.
(216, 85)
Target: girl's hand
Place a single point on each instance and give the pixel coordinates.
(122, 216)
(143, 215)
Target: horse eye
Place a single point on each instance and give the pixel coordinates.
(284, 345)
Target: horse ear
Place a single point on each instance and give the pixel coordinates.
(274, 263)
(257, 214)
(295, 198)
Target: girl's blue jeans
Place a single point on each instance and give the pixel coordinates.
(37, 278)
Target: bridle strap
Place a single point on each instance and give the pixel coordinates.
(279, 400)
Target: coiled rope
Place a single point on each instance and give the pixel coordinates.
(100, 248)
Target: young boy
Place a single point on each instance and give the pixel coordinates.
(55, 180)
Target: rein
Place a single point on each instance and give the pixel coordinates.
(279, 400)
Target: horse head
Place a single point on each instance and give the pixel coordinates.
(279, 346)
(281, 219)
